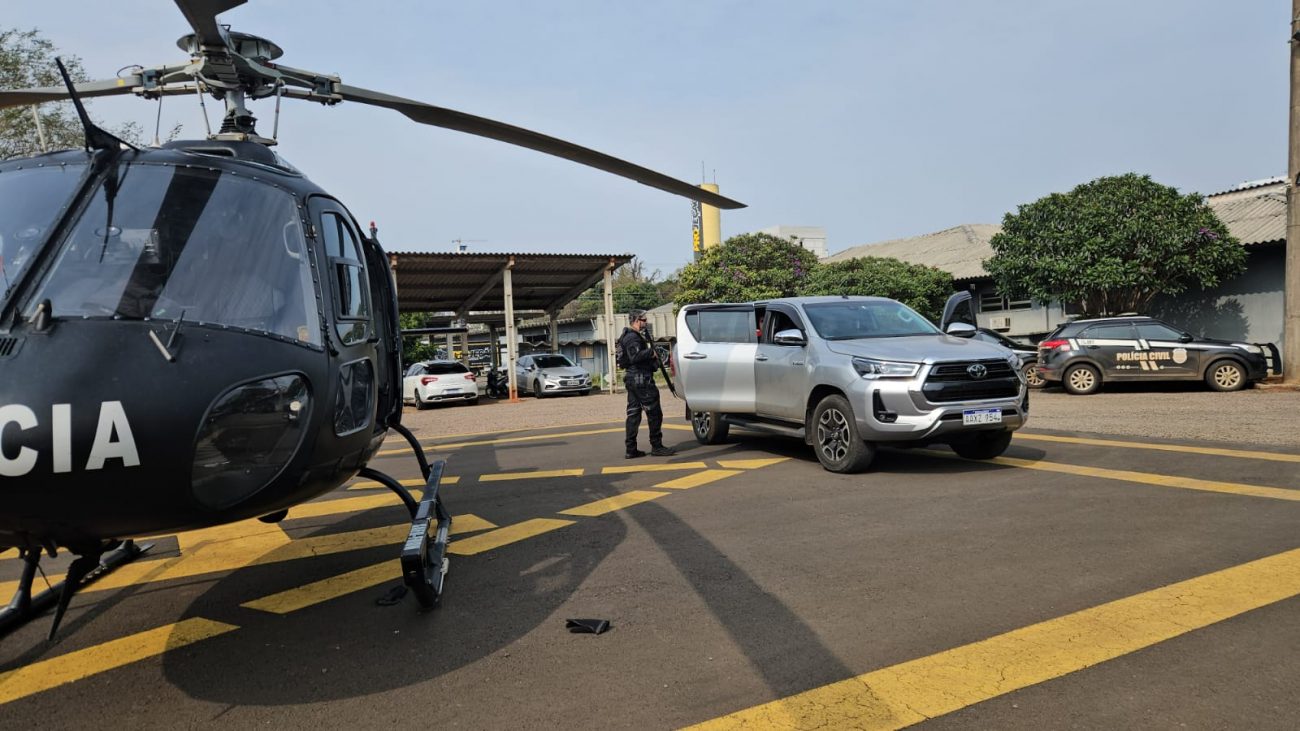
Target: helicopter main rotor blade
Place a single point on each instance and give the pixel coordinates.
(202, 17)
(461, 122)
(86, 89)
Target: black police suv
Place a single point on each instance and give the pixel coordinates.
(1083, 354)
(1028, 354)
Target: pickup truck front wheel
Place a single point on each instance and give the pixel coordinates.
(708, 426)
(835, 437)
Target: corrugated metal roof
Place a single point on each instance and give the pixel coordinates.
(1254, 214)
(959, 251)
(446, 282)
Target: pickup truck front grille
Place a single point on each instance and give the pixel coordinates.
(954, 381)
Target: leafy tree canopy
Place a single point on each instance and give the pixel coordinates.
(1111, 245)
(26, 60)
(746, 267)
(924, 289)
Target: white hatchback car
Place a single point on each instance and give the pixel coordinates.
(434, 381)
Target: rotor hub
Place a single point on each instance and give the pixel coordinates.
(243, 44)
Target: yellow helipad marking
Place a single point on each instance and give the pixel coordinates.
(1215, 451)
(344, 505)
(1146, 478)
(414, 482)
(920, 689)
(697, 479)
(326, 589)
(535, 474)
(617, 502)
(506, 440)
(505, 536)
(207, 555)
(400, 440)
(667, 467)
(751, 464)
(677, 427)
(81, 664)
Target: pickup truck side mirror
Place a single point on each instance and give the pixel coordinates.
(1185, 338)
(961, 330)
(789, 337)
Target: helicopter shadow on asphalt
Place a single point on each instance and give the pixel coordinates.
(351, 647)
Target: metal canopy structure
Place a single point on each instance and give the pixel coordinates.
(496, 289)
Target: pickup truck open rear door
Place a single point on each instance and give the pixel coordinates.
(715, 355)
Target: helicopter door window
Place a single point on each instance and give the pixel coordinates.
(162, 241)
(344, 252)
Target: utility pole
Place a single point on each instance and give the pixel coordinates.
(1291, 278)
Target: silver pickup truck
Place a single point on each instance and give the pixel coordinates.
(847, 373)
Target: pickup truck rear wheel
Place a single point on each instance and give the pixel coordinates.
(709, 427)
(835, 437)
(984, 445)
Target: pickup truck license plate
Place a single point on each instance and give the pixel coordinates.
(981, 416)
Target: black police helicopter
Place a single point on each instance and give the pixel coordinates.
(198, 334)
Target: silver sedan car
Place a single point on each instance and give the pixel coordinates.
(546, 374)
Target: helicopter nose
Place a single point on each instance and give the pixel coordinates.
(248, 436)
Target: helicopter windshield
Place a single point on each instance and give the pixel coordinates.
(30, 201)
(206, 245)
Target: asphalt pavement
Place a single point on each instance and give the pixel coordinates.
(1085, 579)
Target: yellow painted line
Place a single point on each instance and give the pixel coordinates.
(505, 536)
(536, 474)
(1214, 451)
(80, 664)
(414, 482)
(214, 557)
(1146, 478)
(677, 427)
(617, 502)
(697, 479)
(667, 467)
(507, 440)
(400, 440)
(326, 589)
(932, 686)
(751, 464)
(345, 505)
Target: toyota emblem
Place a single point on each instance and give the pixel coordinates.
(977, 370)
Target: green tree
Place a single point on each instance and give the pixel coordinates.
(1111, 245)
(923, 288)
(746, 267)
(414, 347)
(27, 60)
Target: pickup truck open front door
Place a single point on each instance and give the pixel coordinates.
(781, 366)
(960, 307)
(716, 358)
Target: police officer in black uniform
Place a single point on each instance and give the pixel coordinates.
(641, 362)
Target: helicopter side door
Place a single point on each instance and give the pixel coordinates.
(352, 332)
(387, 335)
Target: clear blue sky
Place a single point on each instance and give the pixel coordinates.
(874, 119)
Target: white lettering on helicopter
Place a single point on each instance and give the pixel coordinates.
(113, 438)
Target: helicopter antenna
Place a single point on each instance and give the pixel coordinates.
(96, 138)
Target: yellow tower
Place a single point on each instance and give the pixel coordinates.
(710, 220)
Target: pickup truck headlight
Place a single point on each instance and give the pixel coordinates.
(869, 368)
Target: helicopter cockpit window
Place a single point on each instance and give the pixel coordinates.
(349, 277)
(30, 200)
(203, 245)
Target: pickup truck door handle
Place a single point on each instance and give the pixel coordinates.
(760, 357)
(695, 356)
(797, 362)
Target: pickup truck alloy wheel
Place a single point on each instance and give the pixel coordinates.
(1226, 375)
(835, 437)
(1081, 380)
(709, 428)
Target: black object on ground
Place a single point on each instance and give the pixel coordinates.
(586, 626)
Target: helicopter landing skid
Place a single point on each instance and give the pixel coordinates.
(424, 554)
(24, 607)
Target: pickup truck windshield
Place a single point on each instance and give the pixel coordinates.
(30, 200)
(853, 319)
